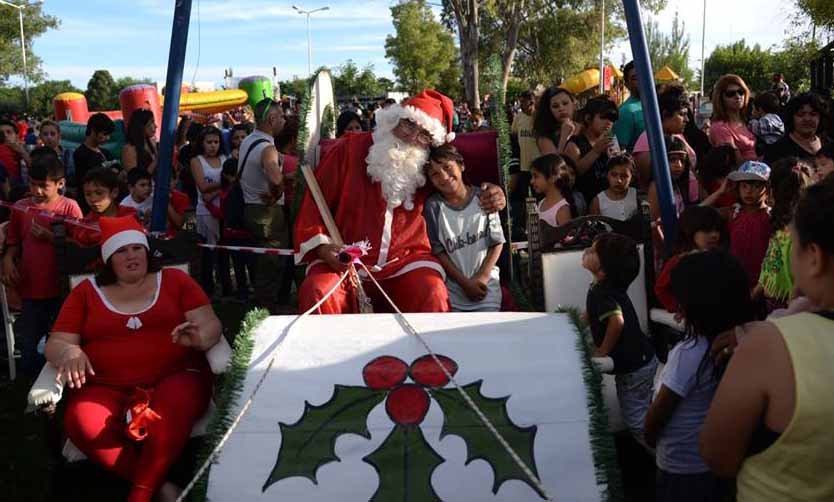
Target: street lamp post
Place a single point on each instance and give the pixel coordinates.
(309, 45)
(602, 49)
(22, 46)
(703, 37)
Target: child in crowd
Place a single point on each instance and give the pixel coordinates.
(91, 153)
(29, 262)
(717, 191)
(466, 240)
(50, 134)
(619, 200)
(549, 177)
(788, 180)
(689, 379)
(13, 152)
(140, 197)
(766, 123)
(178, 204)
(700, 228)
(824, 161)
(239, 133)
(101, 192)
(749, 220)
(614, 262)
(206, 169)
(593, 145)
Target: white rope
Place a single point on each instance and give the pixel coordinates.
(509, 449)
(249, 401)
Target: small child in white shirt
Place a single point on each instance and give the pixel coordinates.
(619, 200)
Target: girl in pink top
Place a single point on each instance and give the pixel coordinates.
(550, 177)
(729, 123)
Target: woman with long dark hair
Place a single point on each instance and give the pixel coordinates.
(140, 148)
(553, 123)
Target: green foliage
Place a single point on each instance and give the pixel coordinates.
(670, 49)
(101, 91)
(41, 96)
(602, 442)
(405, 462)
(757, 66)
(123, 82)
(328, 123)
(227, 393)
(310, 442)
(352, 82)
(12, 100)
(460, 420)
(821, 12)
(295, 87)
(422, 51)
(35, 24)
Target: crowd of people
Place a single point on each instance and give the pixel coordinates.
(752, 189)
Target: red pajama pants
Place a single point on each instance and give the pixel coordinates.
(420, 290)
(95, 422)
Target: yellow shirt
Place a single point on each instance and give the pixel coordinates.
(523, 128)
(799, 466)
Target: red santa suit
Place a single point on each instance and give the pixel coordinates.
(400, 254)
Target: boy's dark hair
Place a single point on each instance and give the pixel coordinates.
(618, 258)
(814, 216)
(193, 133)
(229, 167)
(671, 98)
(627, 68)
(137, 174)
(767, 102)
(99, 123)
(811, 99)
(102, 176)
(445, 153)
(246, 127)
(695, 219)
(711, 310)
(600, 105)
(7, 122)
(623, 159)
(526, 95)
(46, 165)
(717, 164)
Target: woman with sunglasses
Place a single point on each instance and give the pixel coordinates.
(730, 98)
(589, 149)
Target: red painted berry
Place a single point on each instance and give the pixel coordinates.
(384, 373)
(407, 404)
(427, 372)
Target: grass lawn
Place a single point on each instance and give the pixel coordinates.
(31, 468)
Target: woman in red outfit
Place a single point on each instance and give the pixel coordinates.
(130, 346)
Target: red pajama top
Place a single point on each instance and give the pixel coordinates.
(125, 352)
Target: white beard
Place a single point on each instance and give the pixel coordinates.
(397, 166)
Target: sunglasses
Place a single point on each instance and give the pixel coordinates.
(737, 92)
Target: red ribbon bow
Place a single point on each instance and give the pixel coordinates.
(140, 415)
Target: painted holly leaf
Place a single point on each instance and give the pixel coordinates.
(460, 420)
(310, 442)
(404, 462)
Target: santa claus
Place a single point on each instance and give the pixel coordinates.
(375, 188)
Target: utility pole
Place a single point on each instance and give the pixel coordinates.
(22, 47)
(309, 45)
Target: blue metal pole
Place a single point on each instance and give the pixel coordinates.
(651, 114)
(173, 81)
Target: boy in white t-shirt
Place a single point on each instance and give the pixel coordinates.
(465, 239)
(141, 188)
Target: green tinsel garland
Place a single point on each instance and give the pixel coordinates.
(301, 150)
(227, 394)
(602, 441)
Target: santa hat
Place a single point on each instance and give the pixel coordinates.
(433, 112)
(119, 232)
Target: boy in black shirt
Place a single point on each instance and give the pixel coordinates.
(615, 263)
(90, 154)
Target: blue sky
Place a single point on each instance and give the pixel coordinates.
(252, 36)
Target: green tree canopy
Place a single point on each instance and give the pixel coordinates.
(101, 90)
(422, 51)
(821, 12)
(350, 81)
(41, 96)
(670, 49)
(35, 24)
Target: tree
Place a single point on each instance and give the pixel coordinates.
(296, 87)
(35, 24)
(821, 12)
(670, 50)
(422, 50)
(351, 81)
(41, 96)
(123, 82)
(467, 18)
(100, 91)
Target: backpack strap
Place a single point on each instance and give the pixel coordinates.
(246, 157)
